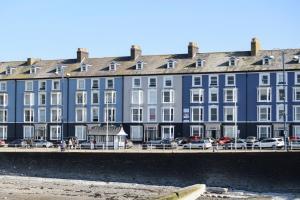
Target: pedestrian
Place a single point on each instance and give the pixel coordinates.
(92, 144)
(70, 143)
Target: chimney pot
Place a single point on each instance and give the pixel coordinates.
(255, 46)
(82, 53)
(135, 52)
(193, 49)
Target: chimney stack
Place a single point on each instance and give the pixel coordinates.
(135, 52)
(82, 53)
(31, 61)
(255, 46)
(192, 49)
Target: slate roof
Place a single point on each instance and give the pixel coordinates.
(215, 62)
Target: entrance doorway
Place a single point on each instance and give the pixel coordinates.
(40, 133)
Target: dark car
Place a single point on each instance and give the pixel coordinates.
(160, 144)
(18, 143)
(224, 140)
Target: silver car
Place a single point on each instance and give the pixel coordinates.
(42, 143)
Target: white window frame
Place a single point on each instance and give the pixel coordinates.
(112, 66)
(295, 78)
(113, 95)
(149, 108)
(31, 98)
(31, 131)
(140, 132)
(27, 88)
(53, 84)
(92, 97)
(171, 133)
(106, 83)
(294, 113)
(234, 95)
(269, 94)
(234, 113)
(200, 62)
(197, 85)
(3, 86)
(92, 83)
(40, 98)
(139, 65)
(171, 116)
(106, 112)
(295, 90)
(232, 61)
(5, 115)
(277, 93)
(171, 64)
(84, 98)
(40, 84)
(84, 114)
(139, 114)
(269, 113)
(140, 95)
(233, 129)
(31, 114)
(58, 112)
(226, 79)
(5, 99)
(58, 98)
(92, 114)
(195, 127)
(79, 82)
(209, 113)
(39, 114)
(278, 74)
(210, 80)
(201, 113)
(3, 135)
(172, 95)
(269, 130)
(133, 82)
(294, 130)
(78, 129)
(210, 92)
(201, 95)
(58, 129)
(168, 78)
(261, 75)
(278, 108)
(149, 81)
(152, 93)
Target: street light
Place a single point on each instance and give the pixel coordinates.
(284, 101)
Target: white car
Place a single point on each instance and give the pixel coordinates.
(202, 144)
(295, 144)
(270, 143)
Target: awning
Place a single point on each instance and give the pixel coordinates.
(212, 126)
(122, 132)
(104, 130)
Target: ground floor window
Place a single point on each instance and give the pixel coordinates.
(80, 132)
(230, 131)
(263, 131)
(136, 133)
(296, 131)
(3, 132)
(55, 132)
(28, 132)
(167, 132)
(196, 131)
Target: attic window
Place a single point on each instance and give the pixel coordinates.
(200, 63)
(171, 64)
(33, 69)
(267, 60)
(139, 65)
(59, 69)
(84, 67)
(112, 66)
(10, 70)
(296, 58)
(232, 61)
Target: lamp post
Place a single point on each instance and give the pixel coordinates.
(284, 101)
(235, 120)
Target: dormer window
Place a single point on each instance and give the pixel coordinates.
(200, 63)
(33, 69)
(171, 64)
(267, 60)
(60, 69)
(232, 61)
(296, 58)
(113, 66)
(10, 70)
(84, 67)
(139, 65)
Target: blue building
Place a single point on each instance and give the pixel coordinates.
(153, 97)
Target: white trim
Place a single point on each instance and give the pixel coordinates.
(92, 116)
(5, 99)
(171, 93)
(3, 136)
(234, 95)
(52, 84)
(39, 114)
(210, 77)
(260, 79)
(295, 94)
(201, 95)
(113, 95)
(209, 113)
(133, 82)
(31, 131)
(92, 97)
(39, 98)
(234, 113)
(148, 113)
(31, 99)
(95, 79)
(269, 94)
(226, 79)
(5, 115)
(193, 81)
(277, 93)
(139, 114)
(4, 83)
(168, 78)
(84, 97)
(139, 65)
(153, 91)
(294, 130)
(58, 129)
(279, 107)
(140, 133)
(171, 133)
(201, 113)
(31, 114)
(295, 77)
(84, 114)
(278, 74)
(58, 98)
(200, 129)
(113, 109)
(26, 85)
(294, 113)
(82, 128)
(140, 96)
(78, 84)
(152, 77)
(269, 113)
(106, 83)
(58, 113)
(269, 130)
(171, 116)
(210, 90)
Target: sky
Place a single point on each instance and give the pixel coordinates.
(53, 29)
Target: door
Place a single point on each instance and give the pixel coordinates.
(41, 133)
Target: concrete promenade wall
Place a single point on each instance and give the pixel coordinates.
(265, 171)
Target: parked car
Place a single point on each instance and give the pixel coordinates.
(240, 144)
(87, 145)
(2, 143)
(211, 139)
(270, 143)
(295, 144)
(18, 143)
(224, 140)
(42, 143)
(202, 144)
(194, 138)
(181, 141)
(250, 141)
(160, 144)
(294, 138)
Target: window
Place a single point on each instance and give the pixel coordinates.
(95, 97)
(281, 93)
(3, 132)
(197, 81)
(3, 115)
(109, 83)
(28, 115)
(42, 115)
(42, 99)
(55, 85)
(297, 78)
(28, 132)
(152, 82)
(196, 131)
(213, 81)
(230, 131)
(168, 96)
(136, 114)
(55, 132)
(152, 96)
(264, 113)
(110, 97)
(112, 66)
(229, 113)
(230, 80)
(56, 115)
(95, 83)
(136, 133)
(28, 85)
(232, 61)
(213, 113)
(280, 77)
(152, 114)
(171, 64)
(264, 79)
(95, 114)
(109, 114)
(139, 65)
(84, 67)
(167, 132)
(296, 131)
(59, 69)
(264, 94)
(28, 99)
(197, 95)
(80, 132)
(197, 114)
(280, 112)
(33, 69)
(55, 98)
(81, 98)
(3, 86)
(3, 99)
(267, 60)
(213, 95)
(230, 95)
(296, 96)
(297, 113)
(10, 70)
(136, 82)
(80, 84)
(263, 131)
(168, 114)
(80, 114)
(168, 81)
(42, 85)
(137, 97)
(200, 63)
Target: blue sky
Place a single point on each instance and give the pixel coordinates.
(52, 29)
